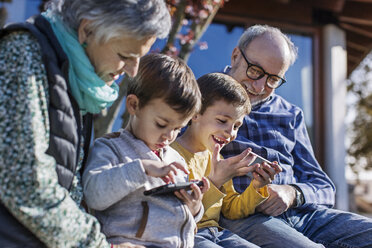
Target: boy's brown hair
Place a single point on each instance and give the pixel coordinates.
(169, 78)
(219, 86)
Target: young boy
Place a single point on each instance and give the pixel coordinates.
(161, 99)
(224, 105)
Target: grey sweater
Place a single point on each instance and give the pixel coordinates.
(114, 181)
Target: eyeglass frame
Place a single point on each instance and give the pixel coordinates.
(282, 80)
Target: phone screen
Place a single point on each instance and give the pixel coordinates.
(170, 188)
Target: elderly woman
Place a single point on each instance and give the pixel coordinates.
(55, 71)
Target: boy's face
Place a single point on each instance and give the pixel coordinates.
(157, 124)
(219, 124)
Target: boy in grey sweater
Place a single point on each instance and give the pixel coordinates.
(161, 99)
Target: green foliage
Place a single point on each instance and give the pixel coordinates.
(360, 87)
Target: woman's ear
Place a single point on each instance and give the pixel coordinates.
(132, 104)
(83, 31)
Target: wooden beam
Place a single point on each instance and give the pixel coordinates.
(355, 46)
(355, 20)
(330, 5)
(358, 10)
(367, 32)
(360, 1)
(294, 11)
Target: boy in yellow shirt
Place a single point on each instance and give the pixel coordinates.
(224, 105)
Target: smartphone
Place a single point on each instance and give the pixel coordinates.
(170, 188)
(259, 159)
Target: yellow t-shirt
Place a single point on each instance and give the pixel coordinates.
(232, 204)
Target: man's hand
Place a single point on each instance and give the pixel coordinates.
(281, 197)
(224, 169)
(164, 171)
(193, 200)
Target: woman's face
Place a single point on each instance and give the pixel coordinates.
(115, 57)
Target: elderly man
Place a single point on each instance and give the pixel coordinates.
(298, 212)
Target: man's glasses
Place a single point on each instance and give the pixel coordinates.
(256, 72)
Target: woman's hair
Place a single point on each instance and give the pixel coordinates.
(258, 30)
(115, 18)
(169, 78)
(218, 86)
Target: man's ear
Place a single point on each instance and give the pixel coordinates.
(83, 31)
(132, 104)
(234, 56)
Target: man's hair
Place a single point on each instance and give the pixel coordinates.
(115, 18)
(218, 86)
(169, 78)
(258, 30)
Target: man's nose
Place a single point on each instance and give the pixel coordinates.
(259, 84)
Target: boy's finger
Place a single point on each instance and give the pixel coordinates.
(216, 153)
(240, 157)
(206, 185)
(181, 167)
(196, 191)
(276, 167)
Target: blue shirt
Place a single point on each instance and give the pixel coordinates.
(276, 130)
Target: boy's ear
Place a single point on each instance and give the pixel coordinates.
(234, 56)
(195, 117)
(132, 104)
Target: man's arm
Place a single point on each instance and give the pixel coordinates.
(283, 138)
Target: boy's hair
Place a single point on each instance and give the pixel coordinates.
(169, 78)
(219, 86)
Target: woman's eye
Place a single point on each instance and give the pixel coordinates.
(160, 126)
(122, 57)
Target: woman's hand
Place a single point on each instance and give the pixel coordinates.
(160, 169)
(194, 199)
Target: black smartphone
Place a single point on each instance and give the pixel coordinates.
(170, 188)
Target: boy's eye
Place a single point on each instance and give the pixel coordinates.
(221, 121)
(237, 127)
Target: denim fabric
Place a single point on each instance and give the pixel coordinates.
(296, 228)
(211, 237)
(276, 130)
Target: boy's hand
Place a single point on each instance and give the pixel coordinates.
(194, 199)
(264, 174)
(164, 171)
(225, 169)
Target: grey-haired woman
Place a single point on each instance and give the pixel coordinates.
(56, 70)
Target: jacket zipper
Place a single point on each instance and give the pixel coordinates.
(183, 225)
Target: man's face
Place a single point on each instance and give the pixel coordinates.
(270, 53)
(156, 123)
(219, 124)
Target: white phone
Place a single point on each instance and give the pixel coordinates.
(259, 159)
